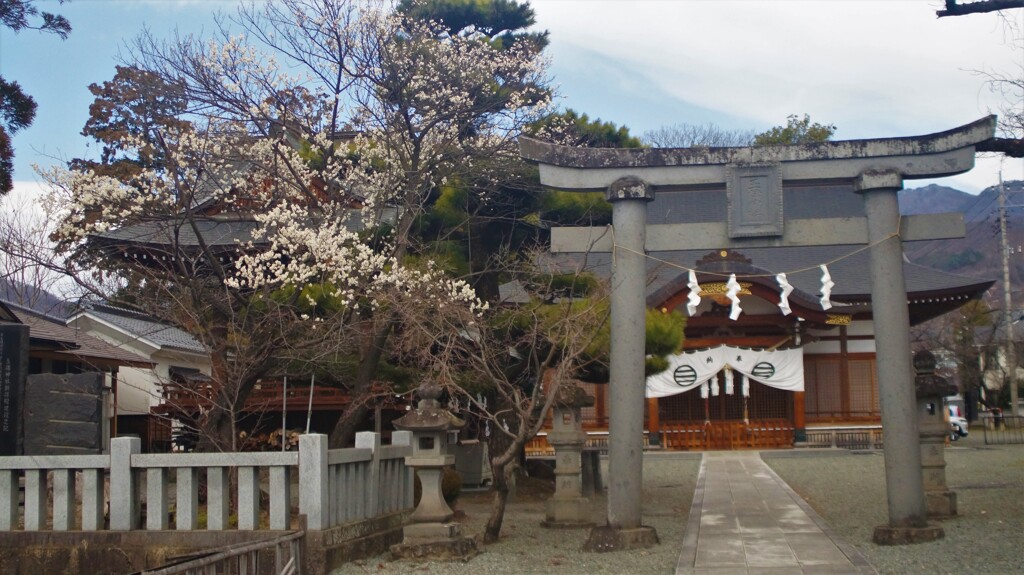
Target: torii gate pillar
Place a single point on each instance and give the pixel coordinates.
(907, 507)
(629, 197)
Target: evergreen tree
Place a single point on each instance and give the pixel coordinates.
(18, 109)
(796, 131)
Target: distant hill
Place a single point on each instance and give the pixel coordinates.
(34, 298)
(977, 254)
(934, 199)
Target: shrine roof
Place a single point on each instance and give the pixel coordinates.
(220, 233)
(667, 273)
(215, 232)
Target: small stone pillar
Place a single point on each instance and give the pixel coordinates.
(931, 388)
(568, 508)
(431, 534)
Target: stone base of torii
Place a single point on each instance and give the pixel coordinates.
(753, 179)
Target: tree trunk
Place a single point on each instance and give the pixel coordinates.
(344, 431)
(503, 478)
(1012, 147)
(216, 427)
(484, 241)
(504, 465)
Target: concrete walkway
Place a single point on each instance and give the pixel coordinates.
(746, 521)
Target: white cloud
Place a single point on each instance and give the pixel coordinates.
(875, 69)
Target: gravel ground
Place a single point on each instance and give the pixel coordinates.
(526, 547)
(847, 489)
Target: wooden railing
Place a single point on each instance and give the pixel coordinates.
(266, 396)
(687, 436)
(697, 435)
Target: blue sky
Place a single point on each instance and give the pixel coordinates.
(874, 69)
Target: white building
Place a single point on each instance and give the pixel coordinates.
(177, 355)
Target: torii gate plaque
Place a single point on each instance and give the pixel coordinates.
(753, 178)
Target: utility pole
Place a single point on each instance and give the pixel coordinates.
(1009, 351)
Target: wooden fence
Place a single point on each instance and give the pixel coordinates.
(699, 435)
(596, 441)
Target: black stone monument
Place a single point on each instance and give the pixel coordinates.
(13, 372)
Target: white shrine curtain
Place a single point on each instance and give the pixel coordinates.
(781, 369)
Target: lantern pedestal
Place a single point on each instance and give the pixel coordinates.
(432, 534)
(568, 508)
(940, 502)
(929, 390)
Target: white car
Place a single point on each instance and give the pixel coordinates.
(957, 424)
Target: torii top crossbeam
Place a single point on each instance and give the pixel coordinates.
(594, 169)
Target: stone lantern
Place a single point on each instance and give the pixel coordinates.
(431, 533)
(568, 508)
(934, 429)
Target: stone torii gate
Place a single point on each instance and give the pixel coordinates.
(753, 178)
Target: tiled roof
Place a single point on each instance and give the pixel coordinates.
(52, 333)
(219, 232)
(140, 325)
(215, 232)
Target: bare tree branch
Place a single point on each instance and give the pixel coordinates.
(1012, 147)
(954, 8)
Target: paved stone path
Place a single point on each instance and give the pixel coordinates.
(746, 521)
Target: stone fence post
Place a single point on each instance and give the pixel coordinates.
(314, 501)
(408, 494)
(370, 440)
(124, 507)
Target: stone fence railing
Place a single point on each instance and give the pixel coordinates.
(334, 487)
(858, 437)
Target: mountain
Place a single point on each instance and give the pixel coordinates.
(34, 298)
(977, 254)
(933, 199)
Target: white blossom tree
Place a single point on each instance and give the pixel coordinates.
(321, 121)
